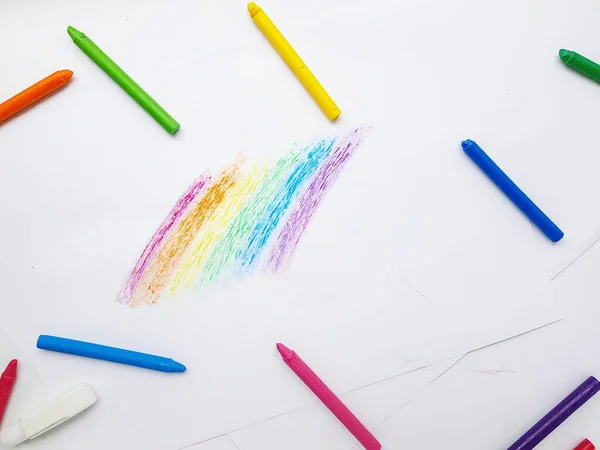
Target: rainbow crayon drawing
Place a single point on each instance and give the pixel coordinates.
(247, 217)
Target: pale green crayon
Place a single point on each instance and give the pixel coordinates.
(134, 90)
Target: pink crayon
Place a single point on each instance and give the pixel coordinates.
(328, 398)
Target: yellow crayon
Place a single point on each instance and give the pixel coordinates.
(294, 62)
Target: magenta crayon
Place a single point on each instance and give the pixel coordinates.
(328, 398)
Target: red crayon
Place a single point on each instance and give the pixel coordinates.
(328, 398)
(7, 381)
(585, 445)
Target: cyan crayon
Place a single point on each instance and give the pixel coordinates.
(117, 355)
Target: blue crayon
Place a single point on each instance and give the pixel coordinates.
(117, 355)
(512, 191)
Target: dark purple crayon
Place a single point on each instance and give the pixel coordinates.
(558, 415)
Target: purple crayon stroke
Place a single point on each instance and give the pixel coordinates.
(292, 231)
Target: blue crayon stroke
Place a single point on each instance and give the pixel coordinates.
(269, 219)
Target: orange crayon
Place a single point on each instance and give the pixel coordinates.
(34, 93)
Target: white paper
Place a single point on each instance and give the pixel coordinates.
(493, 396)
(218, 443)
(412, 257)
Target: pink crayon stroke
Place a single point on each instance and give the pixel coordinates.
(127, 290)
(292, 231)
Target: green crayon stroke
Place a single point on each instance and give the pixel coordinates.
(225, 251)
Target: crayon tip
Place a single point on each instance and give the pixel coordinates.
(466, 144)
(11, 369)
(565, 55)
(66, 74)
(253, 9)
(284, 351)
(73, 32)
(177, 367)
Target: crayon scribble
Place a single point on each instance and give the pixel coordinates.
(246, 217)
(305, 208)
